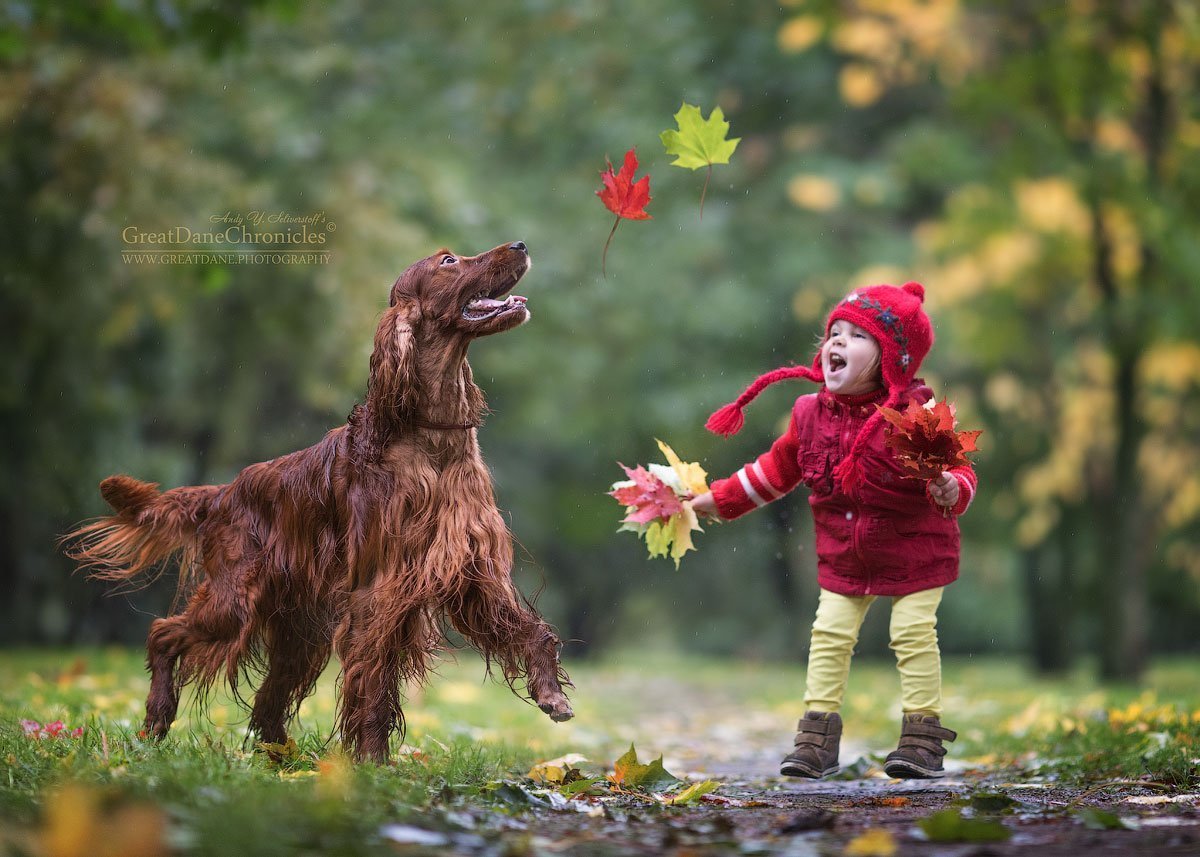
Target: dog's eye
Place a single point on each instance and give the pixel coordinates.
(449, 260)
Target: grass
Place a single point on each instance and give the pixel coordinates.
(212, 792)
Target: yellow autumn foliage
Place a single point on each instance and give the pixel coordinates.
(800, 33)
(860, 85)
(1052, 205)
(869, 37)
(814, 192)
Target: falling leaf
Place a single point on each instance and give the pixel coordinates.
(629, 773)
(875, 842)
(624, 197)
(693, 793)
(924, 441)
(699, 142)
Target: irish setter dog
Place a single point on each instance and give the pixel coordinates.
(370, 543)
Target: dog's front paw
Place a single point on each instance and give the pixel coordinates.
(558, 707)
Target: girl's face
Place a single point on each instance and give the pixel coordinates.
(850, 360)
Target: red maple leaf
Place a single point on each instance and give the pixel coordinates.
(651, 498)
(924, 440)
(623, 196)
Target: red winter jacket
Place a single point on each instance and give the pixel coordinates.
(890, 538)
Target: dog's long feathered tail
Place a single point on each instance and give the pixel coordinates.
(148, 527)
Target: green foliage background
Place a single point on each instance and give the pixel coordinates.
(1033, 166)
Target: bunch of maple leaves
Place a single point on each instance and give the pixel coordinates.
(696, 143)
(657, 501)
(925, 439)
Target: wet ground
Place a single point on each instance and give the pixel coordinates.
(870, 816)
(704, 732)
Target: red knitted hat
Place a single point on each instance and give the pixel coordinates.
(895, 318)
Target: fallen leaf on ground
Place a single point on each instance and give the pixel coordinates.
(693, 793)
(629, 773)
(556, 771)
(1101, 819)
(875, 842)
(949, 825)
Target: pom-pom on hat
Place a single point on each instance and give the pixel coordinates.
(895, 317)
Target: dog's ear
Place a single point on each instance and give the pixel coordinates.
(392, 387)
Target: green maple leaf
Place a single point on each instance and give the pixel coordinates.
(629, 773)
(699, 142)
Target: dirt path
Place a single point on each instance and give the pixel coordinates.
(704, 732)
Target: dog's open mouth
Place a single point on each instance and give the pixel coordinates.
(483, 307)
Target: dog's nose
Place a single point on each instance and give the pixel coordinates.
(519, 246)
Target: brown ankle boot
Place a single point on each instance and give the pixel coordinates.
(920, 753)
(816, 751)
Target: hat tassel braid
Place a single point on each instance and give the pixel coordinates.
(729, 420)
(848, 472)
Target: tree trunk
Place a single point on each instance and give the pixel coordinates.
(1047, 628)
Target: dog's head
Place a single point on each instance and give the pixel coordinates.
(435, 309)
(468, 295)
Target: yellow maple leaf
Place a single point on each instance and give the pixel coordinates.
(683, 523)
(658, 538)
(691, 475)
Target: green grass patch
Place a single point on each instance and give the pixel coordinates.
(207, 789)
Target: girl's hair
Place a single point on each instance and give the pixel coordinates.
(875, 370)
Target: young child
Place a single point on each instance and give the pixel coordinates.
(879, 532)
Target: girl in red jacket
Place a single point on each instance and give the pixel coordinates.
(879, 532)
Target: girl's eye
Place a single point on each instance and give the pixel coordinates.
(448, 260)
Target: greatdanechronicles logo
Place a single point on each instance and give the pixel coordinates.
(234, 238)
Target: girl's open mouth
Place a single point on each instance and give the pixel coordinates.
(836, 362)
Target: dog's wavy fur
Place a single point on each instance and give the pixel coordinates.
(368, 544)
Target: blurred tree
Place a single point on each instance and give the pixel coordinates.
(1073, 242)
(413, 125)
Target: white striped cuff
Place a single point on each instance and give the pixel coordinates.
(749, 488)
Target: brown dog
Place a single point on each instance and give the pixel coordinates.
(367, 543)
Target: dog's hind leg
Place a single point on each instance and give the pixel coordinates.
(297, 652)
(490, 613)
(165, 644)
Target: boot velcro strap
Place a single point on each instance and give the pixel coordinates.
(923, 743)
(929, 730)
(803, 738)
(816, 727)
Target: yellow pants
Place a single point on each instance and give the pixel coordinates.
(913, 638)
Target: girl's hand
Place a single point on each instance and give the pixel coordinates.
(944, 490)
(705, 507)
